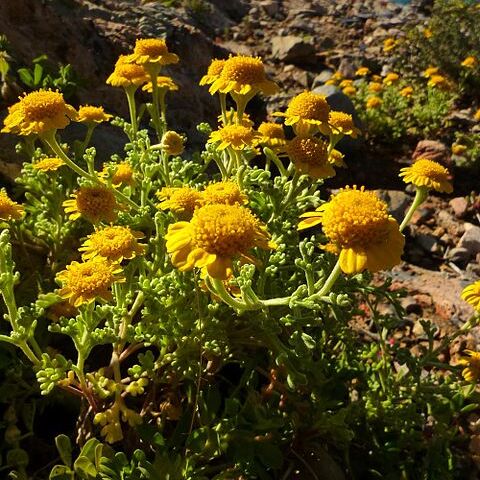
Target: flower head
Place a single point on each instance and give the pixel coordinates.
(438, 81)
(476, 115)
(459, 149)
(469, 62)
(350, 90)
(113, 243)
(336, 158)
(362, 71)
(406, 91)
(214, 237)
(359, 227)
(48, 164)
(430, 71)
(373, 102)
(391, 78)
(225, 193)
(237, 137)
(389, 44)
(340, 123)
(92, 115)
(127, 75)
(9, 210)
(310, 156)
(39, 112)
(471, 372)
(163, 83)
(375, 87)
(243, 75)
(427, 174)
(151, 51)
(84, 282)
(95, 203)
(123, 174)
(172, 143)
(273, 135)
(213, 72)
(180, 200)
(471, 294)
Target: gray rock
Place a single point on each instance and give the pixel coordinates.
(321, 78)
(432, 150)
(428, 242)
(459, 255)
(397, 201)
(470, 240)
(336, 99)
(293, 49)
(459, 206)
(271, 7)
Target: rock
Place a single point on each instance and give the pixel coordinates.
(432, 150)
(336, 99)
(271, 7)
(470, 240)
(459, 206)
(428, 242)
(293, 49)
(458, 255)
(397, 201)
(321, 78)
(410, 305)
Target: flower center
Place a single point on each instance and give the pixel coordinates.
(310, 106)
(95, 201)
(123, 174)
(307, 150)
(216, 67)
(153, 47)
(226, 193)
(429, 169)
(43, 104)
(90, 277)
(112, 242)
(236, 134)
(340, 121)
(244, 70)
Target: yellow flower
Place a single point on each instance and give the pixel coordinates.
(471, 294)
(469, 62)
(438, 81)
(48, 164)
(38, 112)
(359, 227)
(127, 74)
(458, 149)
(373, 102)
(391, 78)
(336, 158)
(9, 210)
(310, 156)
(375, 87)
(123, 173)
(90, 114)
(427, 174)
(476, 115)
(471, 372)
(350, 90)
(346, 83)
(237, 137)
(427, 33)
(180, 200)
(331, 81)
(362, 71)
(243, 75)
(214, 237)
(273, 135)
(113, 243)
(389, 44)
(163, 82)
(213, 72)
(84, 282)
(95, 203)
(306, 110)
(340, 123)
(225, 193)
(430, 71)
(406, 91)
(152, 51)
(337, 76)
(231, 117)
(172, 143)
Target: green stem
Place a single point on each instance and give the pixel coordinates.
(327, 286)
(155, 104)
(223, 106)
(420, 196)
(218, 288)
(132, 109)
(271, 155)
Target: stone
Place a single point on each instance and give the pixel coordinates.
(428, 242)
(432, 150)
(293, 49)
(397, 201)
(336, 99)
(459, 256)
(321, 78)
(410, 305)
(459, 206)
(271, 7)
(470, 240)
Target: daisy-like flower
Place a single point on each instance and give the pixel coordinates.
(90, 114)
(305, 111)
(236, 137)
(471, 294)
(391, 78)
(225, 193)
(122, 174)
(427, 33)
(430, 71)
(214, 237)
(375, 87)
(213, 72)
(459, 149)
(469, 62)
(336, 158)
(37, 113)
(471, 372)
(273, 135)
(114, 243)
(389, 44)
(476, 115)
(362, 71)
(373, 102)
(164, 83)
(9, 210)
(172, 143)
(350, 90)
(406, 92)
(360, 229)
(83, 282)
(127, 75)
(152, 51)
(180, 200)
(437, 81)
(310, 156)
(50, 164)
(94, 203)
(340, 124)
(427, 174)
(243, 75)
(346, 83)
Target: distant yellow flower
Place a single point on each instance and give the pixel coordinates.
(127, 75)
(430, 71)
(391, 78)
(180, 200)
(94, 203)
(471, 294)
(336, 158)
(83, 282)
(310, 157)
(236, 137)
(90, 114)
(273, 135)
(346, 83)
(373, 102)
(476, 115)
(469, 62)
(376, 78)
(306, 110)
(471, 372)
(213, 72)
(427, 33)
(152, 51)
(243, 75)
(38, 112)
(172, 143)
(9, 210)
(427, 174)
(359, 228)
(163, 83)
(375, 87)
(122, 174)
(48, 164)
(114, 243)
(406, 91)
(459, 149)
(225, 193)
(389, 44)
(350, 90)
(331, 81)
(438, 81)
(337, 76)
(214, 237)
(340, 123)
(362, 71)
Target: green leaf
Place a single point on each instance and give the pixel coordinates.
(37, 74)
(64, 447)
(60, 472)
(25, 76)
(85, 468)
